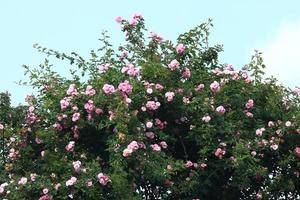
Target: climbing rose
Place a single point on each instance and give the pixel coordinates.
(103, 179)
(155, 147)
(215, 86)
(169, 96)
(297, 151)
(108, 89)
(220, 109)
(71, 181)
(180, 48)
(174, 64)
(249, 104)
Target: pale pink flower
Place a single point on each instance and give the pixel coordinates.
(163, 144)
(72, 91)
(259, 131)
(89, 106)
(180, 48)
(189, 164)
(103, 179)
(71, 181)
(206, 118)
(155, 147)
(77, 166)
(150, 135)
(133, 145)
(133, 22)
(137, 16)
(249, 114)
(215, 86)
(159, 87)
(33, 177)
(70, 146)
(45, 191)
(89, 91)
(125, 87)
(152, 105)
(64, 103)
(169, 96)
(75, 117)
(271, 124)
(127, 152)
(274, 147)
(118, 19)
(200, 87)
(221, 109)
(99, 111)
(249, 104)
(174, 64)
(22, 181)
(203, 165)
(108, 89)
(220, 152)
(104, 68)
(186, 73)
(155, 37)
(149, 124)
(1, 127)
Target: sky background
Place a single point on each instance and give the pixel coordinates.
(271, 26)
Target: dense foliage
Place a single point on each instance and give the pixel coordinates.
(152, 120)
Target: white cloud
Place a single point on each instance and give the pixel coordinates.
(281, 54)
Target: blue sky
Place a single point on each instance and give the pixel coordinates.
(72, 25)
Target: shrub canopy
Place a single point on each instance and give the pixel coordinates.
(151, 120)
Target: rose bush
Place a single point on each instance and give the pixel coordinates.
(152, 120)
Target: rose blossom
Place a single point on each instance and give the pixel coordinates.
(70, 146)
(206, 118)
(180, 48)
(125, 87)
(75, 117)
(169, 96)
(71, 181)
(249, 104)
(220, 152)
(220, 109)
(103, 179)
(186, 73)
(108, 89)
(174, 64)
(77, 165)
(22, 181)
(155, 147)
(89, 91)
(215, 86)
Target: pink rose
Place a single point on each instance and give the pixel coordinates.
(200, 88)
(118, 19)
(70, 146)
(155, 147)
(163, 144)
(75, 117)
(249, 104)
(89, 91)
(186, 73)
(206, 118)
(169, 96)
(71, 181)
(127, 152)
(174, 64)
(215, 86)
(76, 166)
(150, 135)
(103, 179)
(180, 48)
(152, 105)
(22, 181)
(189, 164)
(220, 152)
(72, 91)
(125, 87)
(220, 109)
(108, 89)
